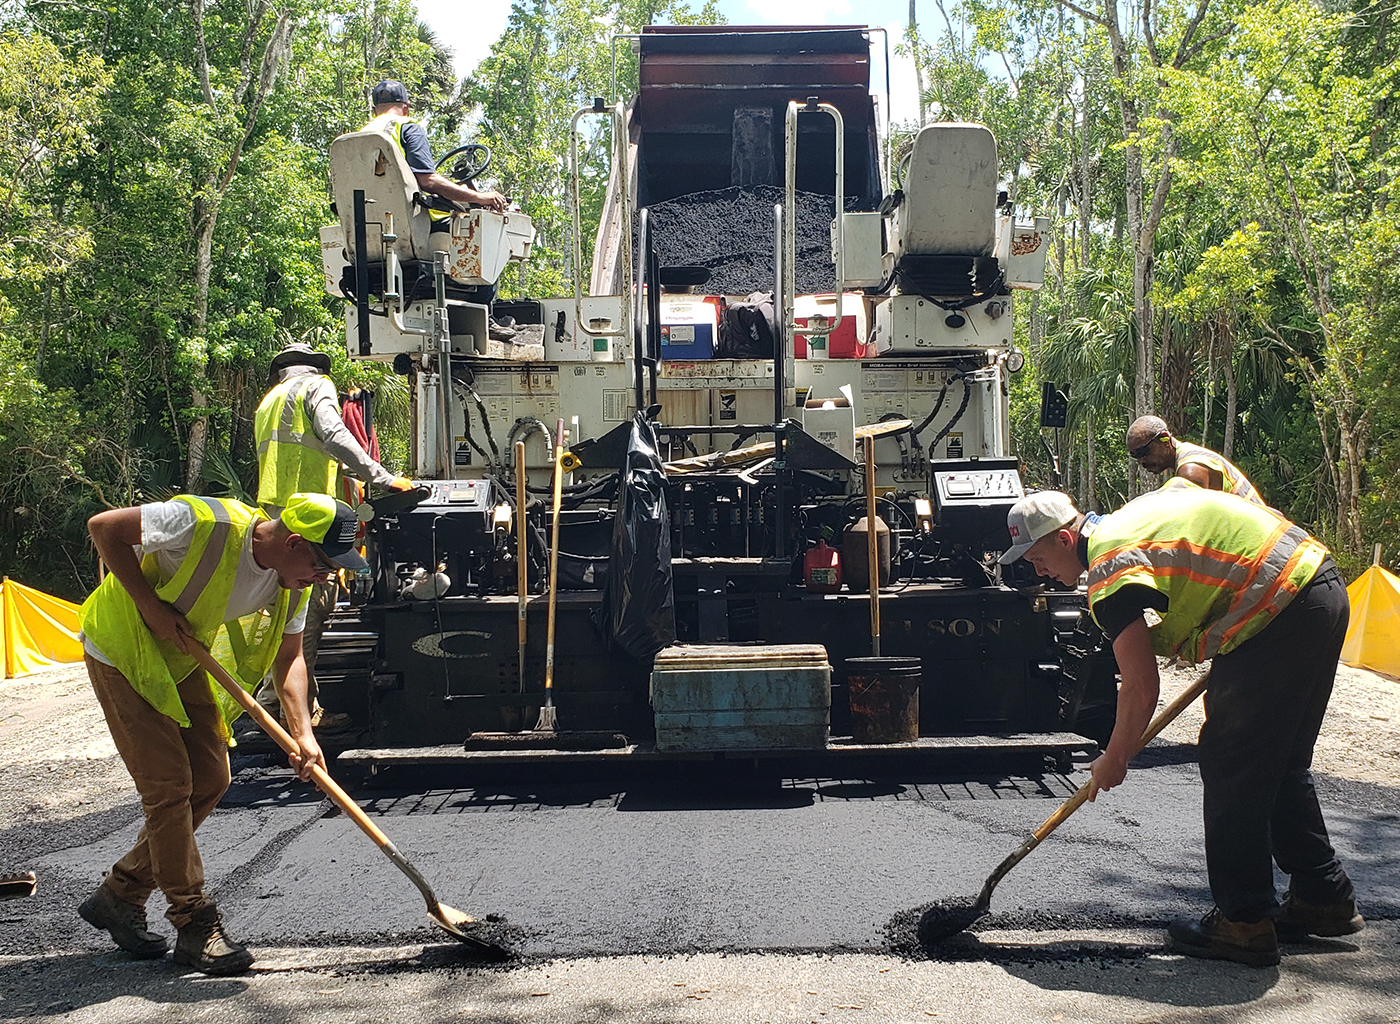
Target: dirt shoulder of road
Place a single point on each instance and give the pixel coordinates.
(57, 759)
(1360, 737)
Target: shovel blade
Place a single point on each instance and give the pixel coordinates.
(456, 924)
(941, 921)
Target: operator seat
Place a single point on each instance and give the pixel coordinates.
(479, 242)
(942, 224)
(371, 161)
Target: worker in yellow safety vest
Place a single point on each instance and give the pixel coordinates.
(1204, 576)
(391, 105)
(1151, 444)
(222, 574)
(302, 443)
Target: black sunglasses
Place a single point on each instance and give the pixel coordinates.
(1141, 453)
(326, 567)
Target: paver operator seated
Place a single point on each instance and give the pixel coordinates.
(302, 443)
(1242, 587)
(196, 569)
(1151, 444)
(391, 103)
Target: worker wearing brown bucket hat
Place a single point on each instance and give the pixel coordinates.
(1239, 585)
(302, 444)
(219, 573)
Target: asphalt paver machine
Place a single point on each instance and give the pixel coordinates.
(770, 285)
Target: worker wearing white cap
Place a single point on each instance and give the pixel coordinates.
(1236, 584)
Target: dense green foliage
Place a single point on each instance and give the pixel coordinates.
(1220, 176)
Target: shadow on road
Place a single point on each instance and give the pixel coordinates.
(60, 983)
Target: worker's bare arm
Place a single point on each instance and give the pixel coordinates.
(439, 185)
(1137, 699)
(289, 678)
(1202, 476)
(115, 533)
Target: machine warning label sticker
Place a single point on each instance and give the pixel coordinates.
(461, 453)
(728, 406)
(955, 445)
(617, 406)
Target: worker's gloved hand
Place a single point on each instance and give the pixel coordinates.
(167, 625)
(1105, 773)
(401, 483)
(310, 755)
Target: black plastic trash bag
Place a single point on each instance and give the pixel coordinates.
(639, 602)
(748, 328)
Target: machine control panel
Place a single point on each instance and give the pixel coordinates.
(971, 498)
(464, 495)
(978, 485)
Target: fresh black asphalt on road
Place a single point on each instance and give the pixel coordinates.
(673, 860)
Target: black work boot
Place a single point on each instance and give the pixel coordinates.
(203, 945)
(1298, 919)
(125, 922)
(1216, 937)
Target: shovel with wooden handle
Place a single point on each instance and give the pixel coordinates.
(944, 920)
(449, 919)
(522, 561)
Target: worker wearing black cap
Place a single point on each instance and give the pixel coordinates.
(302, 444)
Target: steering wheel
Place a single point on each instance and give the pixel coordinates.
(472, 160)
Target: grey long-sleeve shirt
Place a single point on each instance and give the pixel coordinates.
(322, 405)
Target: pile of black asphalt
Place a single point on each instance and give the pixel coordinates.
(730, 232)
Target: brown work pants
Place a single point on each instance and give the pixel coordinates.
(180, 774)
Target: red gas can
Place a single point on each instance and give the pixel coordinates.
(821, 569)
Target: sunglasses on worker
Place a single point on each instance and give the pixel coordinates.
(1141, 452)
(325, 567)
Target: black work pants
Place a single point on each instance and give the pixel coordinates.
(1264, 709)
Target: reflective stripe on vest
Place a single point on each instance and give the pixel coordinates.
(291, 458)
(1232, 481)
(200, 589)
(1226, 567)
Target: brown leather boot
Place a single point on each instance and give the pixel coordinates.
(1216, 937)
(203, 945)
(1298, 919)
(125, 922)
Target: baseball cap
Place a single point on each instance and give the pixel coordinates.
(1034, 516)
(328, 524)
(389, 91)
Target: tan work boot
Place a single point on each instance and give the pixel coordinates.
(203, 945)
(1298, 919)
(329, 721)
(125, 922)
(1216, 937)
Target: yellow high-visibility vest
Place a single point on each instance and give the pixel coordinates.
(291, 458)
(1227, 566)
(199, 590)
(1232, 480)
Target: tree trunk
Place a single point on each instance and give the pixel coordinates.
(1232, 402)
(205, 214)
(913, 34)
(1091, 458)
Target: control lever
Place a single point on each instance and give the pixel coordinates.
(391, 504)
